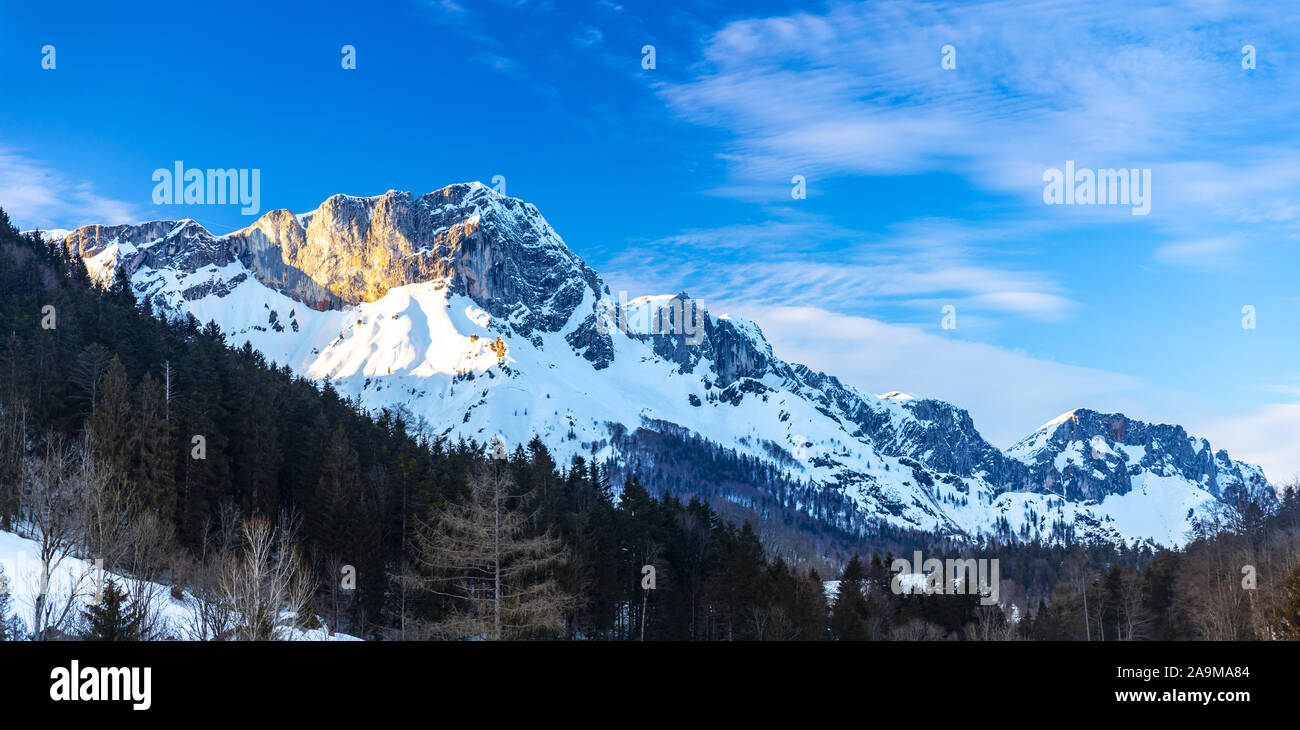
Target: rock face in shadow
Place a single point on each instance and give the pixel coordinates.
(843, 455)
(1087, 455)
(499, 251)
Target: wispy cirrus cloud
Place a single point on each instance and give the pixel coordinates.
(493, 52)
(1007, 392)
(1203, 253)
(858, 90)
(37, 196)
(802, 260)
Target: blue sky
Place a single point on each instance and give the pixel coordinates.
(924, 184)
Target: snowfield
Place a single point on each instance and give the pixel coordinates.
(430, 349)
(19, 556)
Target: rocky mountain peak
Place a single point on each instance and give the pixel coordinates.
(1088, 454)
(441, 305)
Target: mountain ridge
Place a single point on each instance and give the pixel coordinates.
(466, 308)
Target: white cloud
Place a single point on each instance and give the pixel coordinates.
(859, 90)
(588, 35)
(36, 196)
(802, 260)
(1007, 393)
(1206, 253)
(1266, 436)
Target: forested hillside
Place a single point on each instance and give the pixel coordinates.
(201, 438)
(189, 464)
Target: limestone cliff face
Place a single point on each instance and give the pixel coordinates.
(183, 244)
(497, 250)
(1087, 455)
(919, 462)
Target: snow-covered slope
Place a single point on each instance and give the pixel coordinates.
(464, 308)
(75, 582)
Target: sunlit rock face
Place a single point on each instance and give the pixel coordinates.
(464, 310)
(496, 250)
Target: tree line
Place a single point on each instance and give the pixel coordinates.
(264, 503)
(206, 460)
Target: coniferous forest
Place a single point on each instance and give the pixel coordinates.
(265, 501)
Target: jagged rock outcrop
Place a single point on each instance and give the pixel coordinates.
(464, 309)
(1086, 455)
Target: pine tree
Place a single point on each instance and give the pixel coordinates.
(117, 433)
(156, 473)
(342, 507)
(86, 375)
(810, 608)
(346, 524)
(114, 618)
(849, 613)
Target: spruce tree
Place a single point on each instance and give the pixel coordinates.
(156, 473)
(849, 613)
(114, 618)
(117, 433)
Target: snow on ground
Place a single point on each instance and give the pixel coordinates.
(432, 354)
(425, 350)
(19, 556)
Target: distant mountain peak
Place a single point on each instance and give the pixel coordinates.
(465, 310)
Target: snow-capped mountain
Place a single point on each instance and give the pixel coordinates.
(465, 308)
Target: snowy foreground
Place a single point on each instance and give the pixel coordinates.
(19, 557)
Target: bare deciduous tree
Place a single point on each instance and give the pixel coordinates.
(478, 554)
(265, 583)
(52, 515)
